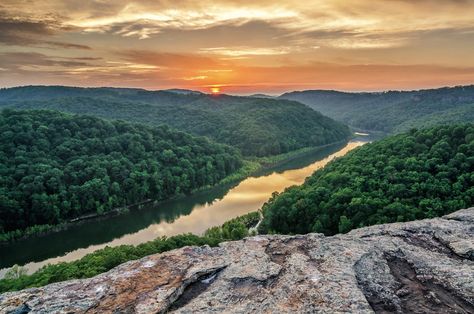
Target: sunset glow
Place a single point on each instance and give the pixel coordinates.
(215, 90)
(248, 46)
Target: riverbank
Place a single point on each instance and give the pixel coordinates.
(103, 260)
(42, 230)
(255, 165)
(192, 214)
(251, 166)
(373, 134)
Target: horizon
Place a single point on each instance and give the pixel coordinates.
(238, 47)
(209, 92)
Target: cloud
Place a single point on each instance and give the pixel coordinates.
(32, 32)
(193, 78)
(162, 70)
(169, 60)
(63, 45)
(245, 51)
(143, 21)
(247, 43)
(31, 61)
(356, 77)
(20, 32)
(88, 58)
(333, 23)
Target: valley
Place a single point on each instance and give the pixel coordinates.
(191, 214)
(84, 192)
(235, 156)
(392, 111)
(255, 126)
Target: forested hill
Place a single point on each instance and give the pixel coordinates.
(421, 174)
(256, 126)
(392, 111)
(55, 166)
(37, 93)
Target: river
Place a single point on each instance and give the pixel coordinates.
(194, 214)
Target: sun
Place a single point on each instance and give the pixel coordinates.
(215, 90)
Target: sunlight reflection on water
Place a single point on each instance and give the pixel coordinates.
(249, 195)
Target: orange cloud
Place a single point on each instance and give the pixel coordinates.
(242, 45)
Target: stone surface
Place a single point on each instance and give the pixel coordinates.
(416, 267)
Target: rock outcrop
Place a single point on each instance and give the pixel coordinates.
(415, 267)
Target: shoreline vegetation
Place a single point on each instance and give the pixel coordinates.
(420, 159)
(251, 166)
(109, 257)
(56, 167)
(420, 174)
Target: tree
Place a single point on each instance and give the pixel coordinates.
(15, 272)
(345, 224)
(425, 173)
(55, 167)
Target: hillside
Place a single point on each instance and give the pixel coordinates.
(256, 126)
(392, 111)
(55, 166)
(421, 174)
(416, 267)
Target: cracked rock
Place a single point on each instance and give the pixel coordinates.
(414, 267)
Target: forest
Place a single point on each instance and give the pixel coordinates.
(55, 167)
(419, 174)
(102, 260)
(392, 111)
(256, 126)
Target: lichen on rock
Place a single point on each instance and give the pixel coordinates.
(420, 266)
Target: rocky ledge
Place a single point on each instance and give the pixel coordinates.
(415, 267)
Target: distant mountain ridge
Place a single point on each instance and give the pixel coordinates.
(256, 126)
(262, 96)
(392, 111)
(183, 91)
(38, 92)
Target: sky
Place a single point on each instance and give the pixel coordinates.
(238, 46)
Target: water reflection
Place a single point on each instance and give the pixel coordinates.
(192, 214)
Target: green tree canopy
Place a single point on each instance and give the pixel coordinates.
(420, 174)
(256, 126)
(55, 167)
